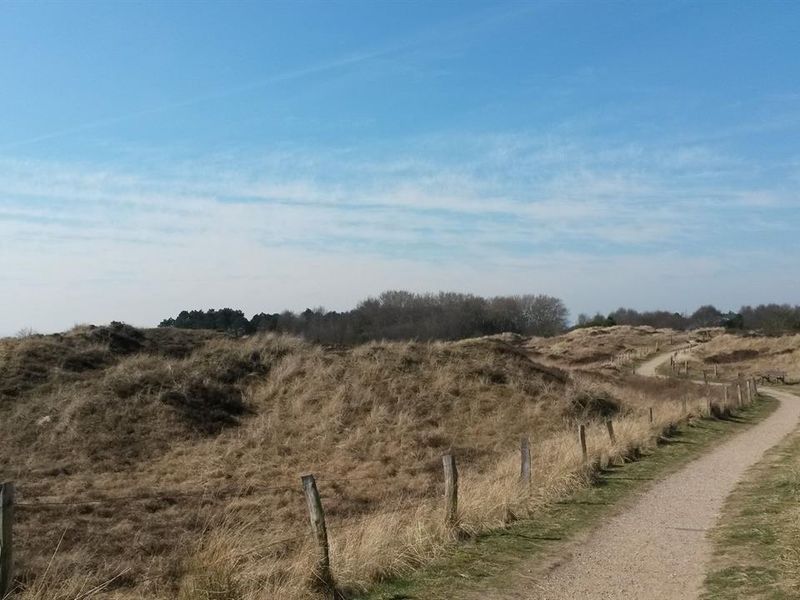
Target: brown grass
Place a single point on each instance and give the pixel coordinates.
(607, 348)
(196, 455)
(751, 355)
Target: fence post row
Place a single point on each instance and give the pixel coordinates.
(450, 491)
(322, 571)
(6, 545)
(525, 460)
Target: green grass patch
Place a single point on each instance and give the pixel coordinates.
(486, 561)
(757, 543)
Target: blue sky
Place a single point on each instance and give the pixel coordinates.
(161, 156)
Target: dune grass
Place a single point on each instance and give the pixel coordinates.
(210, 435)
(486, 561)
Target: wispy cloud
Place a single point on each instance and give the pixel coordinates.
(487, 213)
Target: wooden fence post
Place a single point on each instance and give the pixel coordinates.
(716, 372)
(582, 440)
(725, 394)
(708, 405)
(610, 427)
(651, 414)
(450, 491)
(705, 377)
(6, 542)
(322, 570)
(755, 386)
(739, 392)
(525, 460)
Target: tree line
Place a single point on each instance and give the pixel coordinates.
(400, 315)
(396, 315)
(767, 318)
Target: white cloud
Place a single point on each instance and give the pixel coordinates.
(492, 214)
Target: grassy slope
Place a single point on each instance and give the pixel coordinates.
(749, 355)
(211, 423)
(757, 544)
(221, 429)
(487, 561)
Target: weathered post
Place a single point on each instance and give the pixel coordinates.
(582, 440)
(755, 386)
(610, 427)
(525, 460)
(739, 393)
(705, 377)
(450, 491)
(651, 414)
(709, 406)
(322, 569)
(6, 541)
(686, 367)
(716, 372)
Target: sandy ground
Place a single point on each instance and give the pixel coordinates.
(658, 548)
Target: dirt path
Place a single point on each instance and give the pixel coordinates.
(657, 549)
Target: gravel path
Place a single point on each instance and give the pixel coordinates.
(658, 549)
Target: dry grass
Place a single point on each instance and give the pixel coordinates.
(751, 355)
(604, 348)
(223, 430)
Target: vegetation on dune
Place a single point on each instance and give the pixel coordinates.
(751, 355)
(596, 348)
(193, 442)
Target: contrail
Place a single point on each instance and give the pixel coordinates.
(469, 24)
(233, 91)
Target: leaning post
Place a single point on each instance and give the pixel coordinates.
(525, 460)
(322, 570)
(450, 491)
(582, 441)
(6, 541)
(611, 435)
